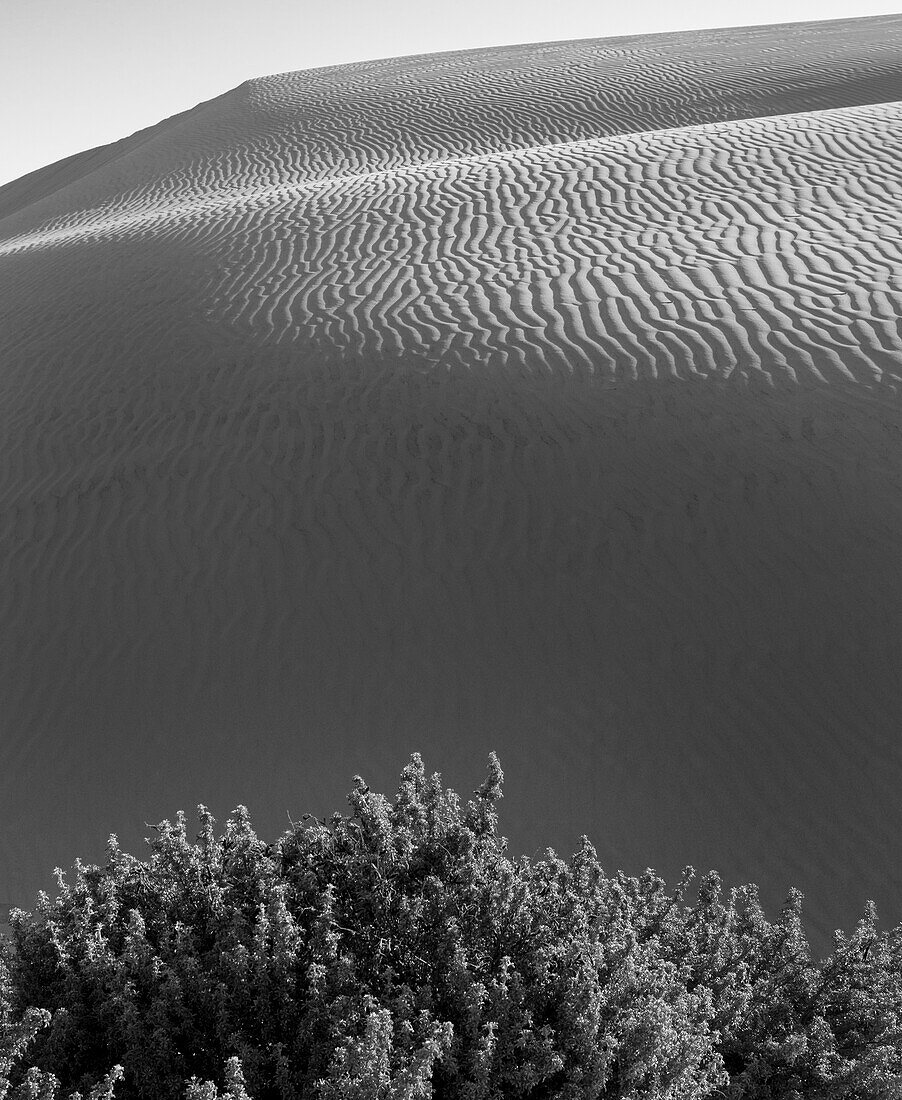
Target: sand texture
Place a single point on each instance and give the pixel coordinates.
(544, 399)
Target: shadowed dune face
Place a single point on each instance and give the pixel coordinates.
(522, 399)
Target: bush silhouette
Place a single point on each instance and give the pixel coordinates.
(398, 953)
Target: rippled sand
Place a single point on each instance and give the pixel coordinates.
(544, 399)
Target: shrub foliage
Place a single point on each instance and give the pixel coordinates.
(397, 953)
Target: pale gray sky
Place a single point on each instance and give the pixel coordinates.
(80, 73)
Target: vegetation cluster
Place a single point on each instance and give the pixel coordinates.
(398, 953)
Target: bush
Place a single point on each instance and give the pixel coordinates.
(398, 953)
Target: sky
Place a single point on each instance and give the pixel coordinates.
(75, 74)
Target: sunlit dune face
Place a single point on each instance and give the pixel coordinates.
(543, 399)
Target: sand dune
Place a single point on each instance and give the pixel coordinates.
(544, 399)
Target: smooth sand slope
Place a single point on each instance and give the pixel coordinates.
(545, 399)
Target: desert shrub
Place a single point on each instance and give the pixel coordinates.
(398, 953)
